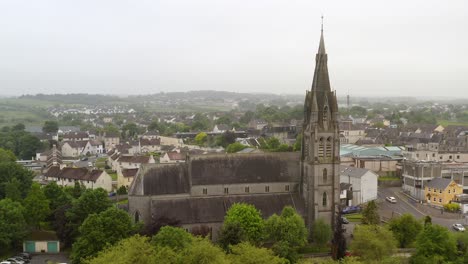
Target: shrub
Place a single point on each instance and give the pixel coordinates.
(452, 207)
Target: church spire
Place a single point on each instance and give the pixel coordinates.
(321, 80)
(321, 49)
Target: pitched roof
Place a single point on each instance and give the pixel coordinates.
(244, 168)
(213, 209)
(74, 135)
(74, 173)
(174, 155)
(129, 172)
(164, 179)
(76, 144)
(439, 183)
(150, 142)
(352, 171)
(134, 159)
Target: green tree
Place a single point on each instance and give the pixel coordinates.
(200, 122)
(235, 147)
(90, 202)
(245, 253)
(18, 127)
(201, 138)
(99, 231)
(12, 190)
(56, 195)
(12, 224)
(135, 249)
(122, 190)
(372, 242)
(249, 219)
(203, 251)
(370, 214)
(298, 144)
(288, 233)
(130, 130)
(7, 155)
(230, 234)
(10, 171)
(50, 127)
(321, 232)
(405, 229)
(435, 242)
(36, 205)
(339, 241)
(273, 143)
(174, 238)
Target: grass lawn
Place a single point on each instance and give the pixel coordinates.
(355, 218)
(101, 162)
(125, 201)
(113, 175)
(388, 178)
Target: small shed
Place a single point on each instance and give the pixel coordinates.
(41, 241)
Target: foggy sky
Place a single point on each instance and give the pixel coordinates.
(376, 48)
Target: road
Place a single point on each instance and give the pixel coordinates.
(79, 163)
(406, 205)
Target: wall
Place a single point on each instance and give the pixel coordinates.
(276, 187)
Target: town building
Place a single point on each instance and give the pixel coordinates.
(91, 179)
(440, 191)
(363, 184)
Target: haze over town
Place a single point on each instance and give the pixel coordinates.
(117, 47)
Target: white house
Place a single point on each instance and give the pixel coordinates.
(73, 148)
(363, 183)
(91, 179)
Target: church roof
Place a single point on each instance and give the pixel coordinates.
(164, 179)
(251, 168)
(213, 209)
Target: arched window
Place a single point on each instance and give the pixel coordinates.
(325, 114)
(329, 147)
(325, 175)
(324, 199)
(137, 217)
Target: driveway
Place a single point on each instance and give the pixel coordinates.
(54, 258)
(405, 204)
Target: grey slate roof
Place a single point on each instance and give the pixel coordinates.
(439, 183)
(352, 171)
(241, 168)
(213, 209)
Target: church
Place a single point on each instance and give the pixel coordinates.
(197, 194)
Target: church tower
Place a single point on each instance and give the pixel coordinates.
(320, 157)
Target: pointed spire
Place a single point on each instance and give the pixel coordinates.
(321, 49)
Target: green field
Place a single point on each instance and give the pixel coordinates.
(446, 123)
(357, 218)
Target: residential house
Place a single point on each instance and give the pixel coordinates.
(91, 179)
(363, 184)
(149, 145)
(172, 157)
(129, 162)
(73, 148)
(110, 140)
(125, 177)
(440, 191)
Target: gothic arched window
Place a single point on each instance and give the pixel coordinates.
(329, 147)
(324, 199)
(321, 147)
(325, 175)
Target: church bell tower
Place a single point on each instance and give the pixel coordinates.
(320, 157)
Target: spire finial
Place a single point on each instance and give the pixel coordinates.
(322, 22)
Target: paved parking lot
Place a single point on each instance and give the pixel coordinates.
(54, 258)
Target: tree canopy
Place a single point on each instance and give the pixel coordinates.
(100, 230)
(249, 219)
(372, 242)
(435, 242)
(36, 205)
(405, 229)
(13, 226)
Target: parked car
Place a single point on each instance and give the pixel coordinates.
(351, 209)
(84, 158)
(6, 262)
(16, 261)
(390, 199)
(344, 220)
(25, 255)
(458, 227)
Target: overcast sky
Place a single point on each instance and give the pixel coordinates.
(376, 48)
